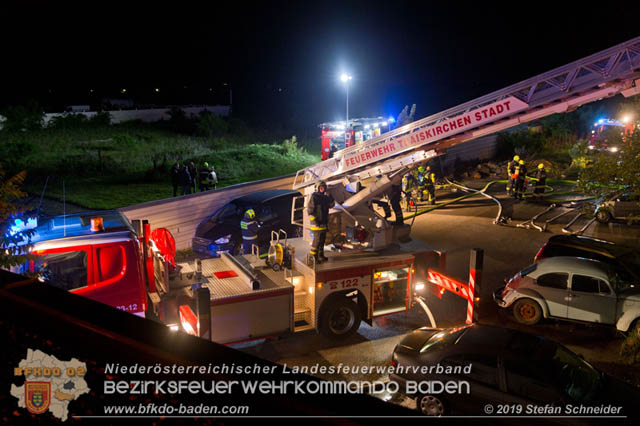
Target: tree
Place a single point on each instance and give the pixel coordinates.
(19, 118)
(12, 254)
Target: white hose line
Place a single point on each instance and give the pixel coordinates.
(481, 192)
(420, 300)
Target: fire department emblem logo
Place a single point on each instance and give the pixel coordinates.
(37, 396)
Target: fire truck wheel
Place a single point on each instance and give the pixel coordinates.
(340, 319)
(527, 311)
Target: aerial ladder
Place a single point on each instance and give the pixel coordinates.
(359, 174)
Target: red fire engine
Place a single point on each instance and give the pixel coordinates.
(337, 135)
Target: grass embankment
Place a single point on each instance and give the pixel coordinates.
(114, 166)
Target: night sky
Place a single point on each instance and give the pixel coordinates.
(283, 59)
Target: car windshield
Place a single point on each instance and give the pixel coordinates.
(444, 338)
(575, 377)
(230, 211)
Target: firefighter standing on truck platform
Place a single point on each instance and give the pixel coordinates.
(541, 176)
(511, 170)
(520, 174)
(249, 228)
(408, 182)
(318, 210)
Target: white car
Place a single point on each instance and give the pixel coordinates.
(572, 288)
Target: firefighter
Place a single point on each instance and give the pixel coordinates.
(541, 176)
(408, 182)
(395, 196)
(430, 185)
(318, 210)
(421, 182)
(511, 170)
(249, 228)
(520, 173)
(208, 178)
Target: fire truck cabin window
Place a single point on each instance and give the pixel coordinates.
(66, 270)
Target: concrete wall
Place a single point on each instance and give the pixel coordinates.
(181, 215)
(481, 149)
(150, 115)
(147, 115)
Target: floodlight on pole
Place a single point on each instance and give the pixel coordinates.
(345, 79)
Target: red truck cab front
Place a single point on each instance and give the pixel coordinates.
(104, 265)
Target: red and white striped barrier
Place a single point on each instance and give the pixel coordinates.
(466, 291)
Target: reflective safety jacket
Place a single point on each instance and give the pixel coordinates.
(318, 210)
(408, 182)
(249, 228)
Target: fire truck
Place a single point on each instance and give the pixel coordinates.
(598, 140)
(374, 267)
(338, 135)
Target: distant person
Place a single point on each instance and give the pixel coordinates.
(511, 170)
(193, 173)
(175, 177)
(332, 150)
(185, 180)
(541, 176)
(520, 176)
(208, 178)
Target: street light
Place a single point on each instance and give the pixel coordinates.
(345, 79)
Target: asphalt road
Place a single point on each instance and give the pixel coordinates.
(456, 229)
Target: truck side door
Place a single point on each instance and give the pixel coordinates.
(591, 299)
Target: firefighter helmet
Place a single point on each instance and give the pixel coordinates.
(541, 166)
(250, 213)
(521, 162)
(320, 184)
(420, 169)
(206, 164)
(516, 158)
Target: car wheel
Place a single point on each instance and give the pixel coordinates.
(340, 319)
(430, 405)
(603, 216)
(527, 311)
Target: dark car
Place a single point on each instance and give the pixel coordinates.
(480, 365)
(620, 206)
(624, 260)
(221, 231)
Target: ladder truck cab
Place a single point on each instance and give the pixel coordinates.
(338, 135)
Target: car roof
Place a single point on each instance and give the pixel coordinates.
(572, 265)
(79, 224)
(265, 196)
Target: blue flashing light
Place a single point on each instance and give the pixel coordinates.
(391, 119)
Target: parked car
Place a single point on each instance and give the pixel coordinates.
(508, 368)
(221, 231)
(625, 260)
(619, 206)
(572, 288)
